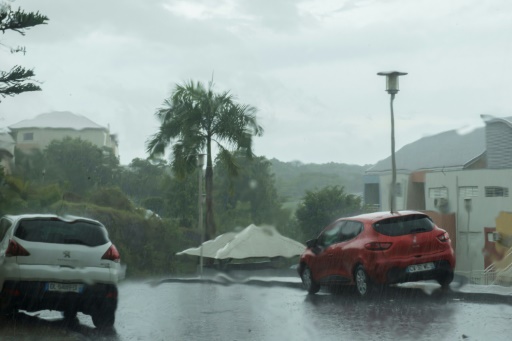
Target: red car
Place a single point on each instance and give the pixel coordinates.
(376, 249)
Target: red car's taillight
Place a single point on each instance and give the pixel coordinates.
(112, 254)
(377, 246)
(444, 237)
(14, 249)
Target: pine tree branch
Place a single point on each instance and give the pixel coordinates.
(16, 81)
(19, 20)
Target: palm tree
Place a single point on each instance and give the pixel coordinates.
(192, 119)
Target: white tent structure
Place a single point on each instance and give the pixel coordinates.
(252, 242)
(210, 247)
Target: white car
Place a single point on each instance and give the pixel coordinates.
(68, 264)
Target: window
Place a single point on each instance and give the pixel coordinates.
(61, 232)
(468, 191)
(398, 189)
(28, 136)
(400, 226)
(350, 230)
(496, 191)
(331, 234)
(493, 237)
(438, 192)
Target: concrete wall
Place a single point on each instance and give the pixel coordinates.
(474, 211)
(385, 186)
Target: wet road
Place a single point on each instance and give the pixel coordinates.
(278, 310)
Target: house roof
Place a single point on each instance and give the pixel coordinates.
(58, 119)
(491, 119)
(448, 150)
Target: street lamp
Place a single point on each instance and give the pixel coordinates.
(200, 164)
(392, 89)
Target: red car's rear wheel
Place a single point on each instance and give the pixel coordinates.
(363, 284)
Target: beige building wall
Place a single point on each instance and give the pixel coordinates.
(465, 195)
(38, 138)
(402, 181)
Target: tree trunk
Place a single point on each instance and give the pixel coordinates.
(210, 222)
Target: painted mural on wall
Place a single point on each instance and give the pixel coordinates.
(503, 247)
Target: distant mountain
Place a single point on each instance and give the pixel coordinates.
(294, 178)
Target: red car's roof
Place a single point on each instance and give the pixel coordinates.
(376, 216)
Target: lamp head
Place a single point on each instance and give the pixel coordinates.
(392, 80)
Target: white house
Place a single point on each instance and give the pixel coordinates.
(39, 132)
(464, 176)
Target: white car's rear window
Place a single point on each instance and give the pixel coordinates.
(61, 232)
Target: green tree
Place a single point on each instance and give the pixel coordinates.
(181, 194)
(30, 166)
(18, 79)
(78, 165)
(143, 179)
(319, 208)
(249, 197)
(194, 119)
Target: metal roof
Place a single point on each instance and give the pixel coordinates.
(58, 119)
(448, 150)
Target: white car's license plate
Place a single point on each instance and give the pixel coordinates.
(64, 287)
(420, 267)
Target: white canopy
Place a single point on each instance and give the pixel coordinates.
(252, 242)
(210, 247)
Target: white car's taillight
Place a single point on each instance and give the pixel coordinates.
(112, 254)
(14, 249)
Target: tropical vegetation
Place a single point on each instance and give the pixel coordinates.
(197, 120)
(18, 79)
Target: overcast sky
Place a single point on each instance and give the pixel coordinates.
(308, 66)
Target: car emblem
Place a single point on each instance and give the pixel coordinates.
(414, 240)
(67, 254)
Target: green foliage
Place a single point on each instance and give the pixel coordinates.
(182, 199)
(78, 165)
(18, 79)
(319, 208)
(249, 197)
(194, 118)
(44, 197)
(155, 204)
(111, 197)
(143, 179)
(31, 166)
(293, 179)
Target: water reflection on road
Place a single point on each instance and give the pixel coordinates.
(277, 310)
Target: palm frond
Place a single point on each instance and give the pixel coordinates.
(229, 161)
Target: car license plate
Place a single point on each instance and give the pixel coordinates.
(64, 287)
(420, 267)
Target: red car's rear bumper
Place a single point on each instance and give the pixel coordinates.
(389, 271)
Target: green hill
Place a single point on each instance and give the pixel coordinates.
(294, 178)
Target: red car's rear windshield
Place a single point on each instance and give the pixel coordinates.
(399, 226)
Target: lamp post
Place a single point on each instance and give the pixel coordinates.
(392, 89)
(200, 164)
